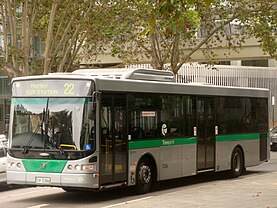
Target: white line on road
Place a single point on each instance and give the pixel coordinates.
(39, 206)
(128, 202)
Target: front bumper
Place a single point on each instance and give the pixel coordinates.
(53, 179)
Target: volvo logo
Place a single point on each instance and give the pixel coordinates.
(43, 165)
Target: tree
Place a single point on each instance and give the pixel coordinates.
(62, 28)
(165, 30)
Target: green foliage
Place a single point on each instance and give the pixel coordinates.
(263, 26)
(165, 30)
(65, 31)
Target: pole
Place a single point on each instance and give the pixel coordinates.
(273, 104)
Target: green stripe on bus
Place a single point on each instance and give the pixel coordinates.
(236, 137)
(46, 166)
(161, 142)
(193, 140)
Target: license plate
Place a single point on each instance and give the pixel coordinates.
(43, 180)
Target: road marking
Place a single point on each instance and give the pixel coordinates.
(39, 206)
(37, 190)
(128, 202)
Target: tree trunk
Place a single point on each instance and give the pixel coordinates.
(25, 40)
(47, 56)
(175, 55)
(11, 14)
(156, 61)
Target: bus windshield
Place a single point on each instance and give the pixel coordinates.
(51, 123)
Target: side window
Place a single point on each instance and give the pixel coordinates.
(160, 116)
(262, 115)
(238, 115)
(178, 115)
(145, 113)
(249, 118)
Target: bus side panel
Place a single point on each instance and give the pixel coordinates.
(178, 161)
(224, 151)
(172, 161)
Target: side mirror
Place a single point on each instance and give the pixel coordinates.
(6, 132)
(7, 125)
(91, 110)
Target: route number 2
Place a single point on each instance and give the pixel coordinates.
(69, 89)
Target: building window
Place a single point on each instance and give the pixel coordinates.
(262, 63)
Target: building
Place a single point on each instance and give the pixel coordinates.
(5, 95)
(250, 54)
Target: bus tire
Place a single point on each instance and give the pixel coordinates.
(144, 176)
(237, 163)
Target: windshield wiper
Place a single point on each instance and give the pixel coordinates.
(46, 115)
(41, 126)
(30, 140)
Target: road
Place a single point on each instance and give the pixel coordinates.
(257, 188)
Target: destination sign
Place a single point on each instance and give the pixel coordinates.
(53, 87)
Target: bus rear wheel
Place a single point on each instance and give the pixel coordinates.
(237, 163)
(144, 176)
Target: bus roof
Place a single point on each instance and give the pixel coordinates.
(177, 88)
(148, 81)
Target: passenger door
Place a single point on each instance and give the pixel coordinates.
(205, 133)
(113, 149)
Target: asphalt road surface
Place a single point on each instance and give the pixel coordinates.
(257, 188)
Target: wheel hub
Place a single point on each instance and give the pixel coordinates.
(145, 174)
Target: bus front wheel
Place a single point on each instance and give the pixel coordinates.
(144, 176)
(237, 163)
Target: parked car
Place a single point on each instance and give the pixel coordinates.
(3, 153)
(273, 139)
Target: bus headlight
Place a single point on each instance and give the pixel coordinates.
(70, 167)
(18, 165)
(14, 166)
(77, 167)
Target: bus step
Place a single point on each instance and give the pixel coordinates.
(206, 170)
(114, 185)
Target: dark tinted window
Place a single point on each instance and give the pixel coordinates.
(156, 116)
(262, 115)
(241, 115)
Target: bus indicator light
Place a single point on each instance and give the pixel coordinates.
(194, 131)
(216, 130)
(88, 167)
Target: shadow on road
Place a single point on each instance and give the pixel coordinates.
(5, 187)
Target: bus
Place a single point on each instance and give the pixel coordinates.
(95, 129)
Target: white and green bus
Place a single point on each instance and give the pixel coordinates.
(102, 128)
